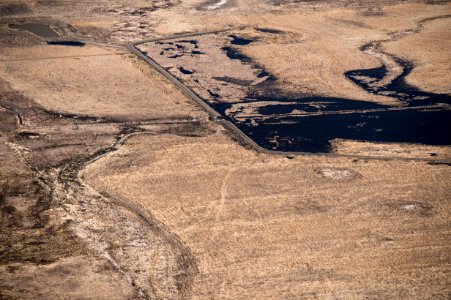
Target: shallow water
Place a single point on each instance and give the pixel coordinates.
(398, 89)
(313, 133)
(309, 124)
(38, 29)
(240, 41)
(290, 122)
(185, 71)
(66, 43)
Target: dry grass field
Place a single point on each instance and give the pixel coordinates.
(116, 184)
(91, 80)
(266, 227)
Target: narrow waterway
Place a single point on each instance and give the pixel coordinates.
(288, 123)
(248, 95)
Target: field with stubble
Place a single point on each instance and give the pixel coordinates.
(304, 227)
(240, 149)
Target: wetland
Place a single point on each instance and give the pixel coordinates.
(283, 121)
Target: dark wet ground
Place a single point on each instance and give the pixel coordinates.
(233, 54)
(318, 120)
(38, 29)
(270, 30)
(289, 122)
(314, 133)
(185, 71)
(66, 43)
(240, 41)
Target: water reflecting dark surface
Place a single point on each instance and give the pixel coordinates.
(309, 124)
(66, 43)
(38, 29)
(278, 127)
(398, 88)
(186, 71)
(240, 41)
(284, 121)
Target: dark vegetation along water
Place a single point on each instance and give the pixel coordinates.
(309, 124)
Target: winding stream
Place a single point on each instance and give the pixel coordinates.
(289, 122)
(310, 124)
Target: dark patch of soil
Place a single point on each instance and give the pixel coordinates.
(270, 30)
(41, 30)
(14, 9)
(232, 80)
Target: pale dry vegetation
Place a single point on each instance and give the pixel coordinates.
(114, 184)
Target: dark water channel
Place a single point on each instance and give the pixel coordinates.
(278, 125)
(314, 133)
(240, 41)
(41, 30)
(398, 88)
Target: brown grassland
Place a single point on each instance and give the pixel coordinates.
(114, 184)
